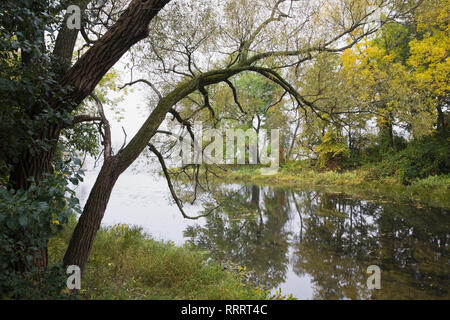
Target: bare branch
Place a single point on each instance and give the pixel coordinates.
(106, 127)
(151, 85)
(235, 96)
(83, 118)
(178, 202)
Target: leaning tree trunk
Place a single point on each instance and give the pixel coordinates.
(83, 237)
(84, 234)
(82, 78)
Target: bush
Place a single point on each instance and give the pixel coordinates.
(420, 159)
(333, 152)
(296, 166)
(442, 181)
(28, 219)
(48, 283)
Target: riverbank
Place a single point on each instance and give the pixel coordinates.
(125, 263)
(432, 191)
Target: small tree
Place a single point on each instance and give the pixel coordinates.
(332, 152)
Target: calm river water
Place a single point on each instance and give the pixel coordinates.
(312, 244)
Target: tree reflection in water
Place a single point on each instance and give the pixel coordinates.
(332, 238)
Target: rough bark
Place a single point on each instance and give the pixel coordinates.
(34, 164)
(84, 234)
(82, 79)
(131, 27)
(65, 43)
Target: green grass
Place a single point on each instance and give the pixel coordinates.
(125, 263)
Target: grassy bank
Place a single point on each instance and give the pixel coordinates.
(361, 182)
(125, 263)
(432, 191)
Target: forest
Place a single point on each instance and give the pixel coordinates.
(357, 91)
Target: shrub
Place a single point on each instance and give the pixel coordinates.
(28, 219)
(333, 152)
(420, 159)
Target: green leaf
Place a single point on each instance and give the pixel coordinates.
(23, 221)
(11, 224)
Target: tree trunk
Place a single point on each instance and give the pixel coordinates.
(386, 129)
(392, 137)
(82, 78)
(65, 43)
(294, 138)
(84, 234)
(441, 126)
(131, 27)
(35, 163)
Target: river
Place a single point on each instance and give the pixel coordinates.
(312, 244)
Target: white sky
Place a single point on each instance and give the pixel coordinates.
(135, 109)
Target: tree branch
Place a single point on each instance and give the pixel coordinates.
(107, 135)
(169, 183)
(83, 118)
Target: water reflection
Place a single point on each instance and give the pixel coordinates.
(330, 238)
